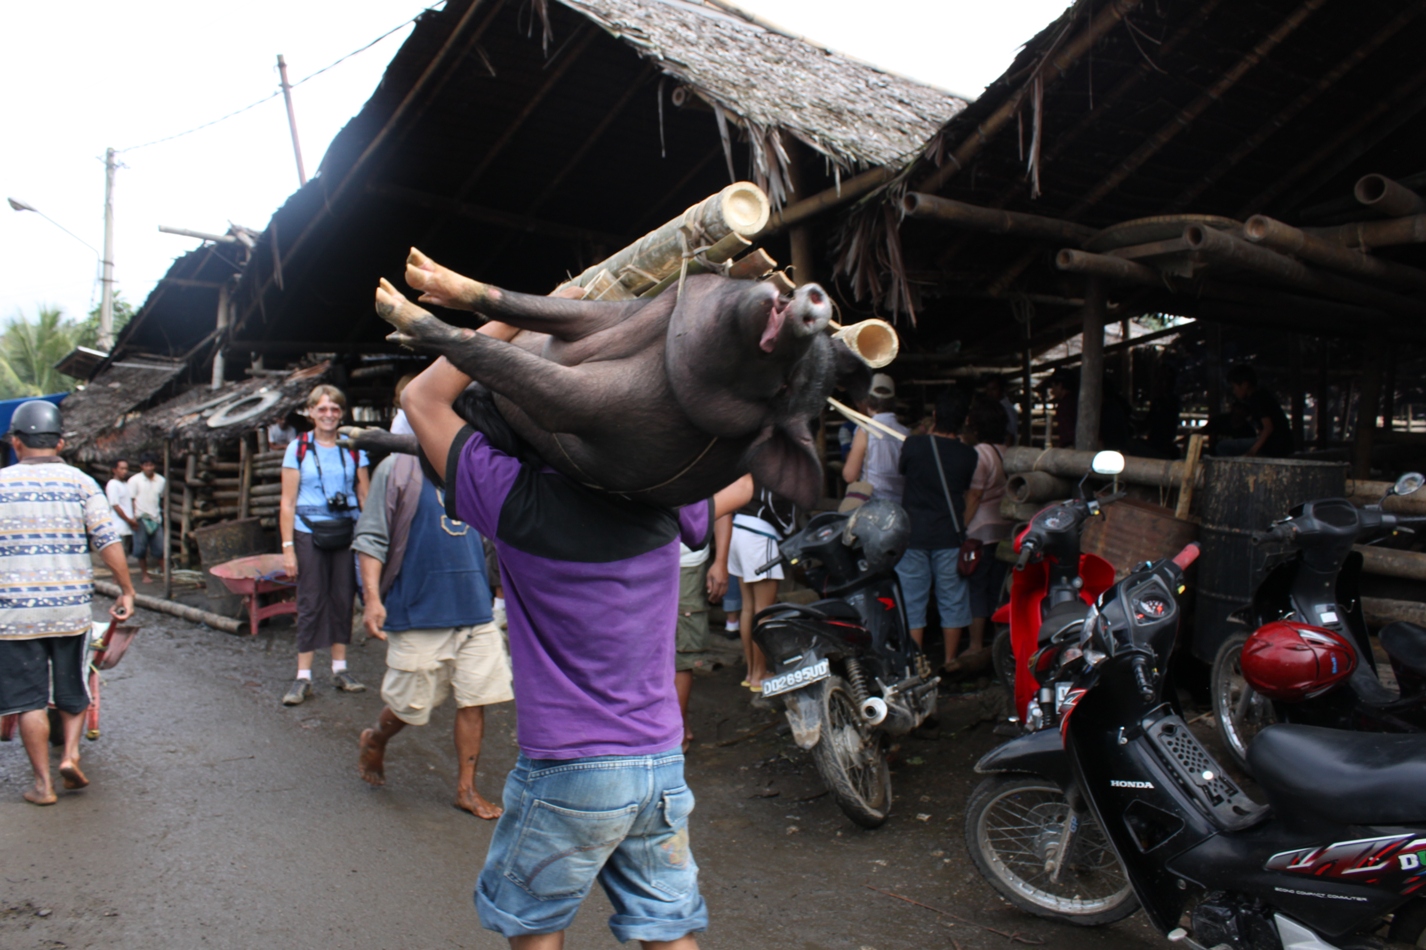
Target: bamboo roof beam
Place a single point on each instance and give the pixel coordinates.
(1411, 230)
(1395, 108)
(1286, 239)
(1060, 63)
(993, 221)
(1225, 248)
(1383, 195)
(1289, 112)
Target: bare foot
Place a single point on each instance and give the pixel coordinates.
(145, 579)
(41, 795)
(371, 764)
(472, 801)
(71, 776)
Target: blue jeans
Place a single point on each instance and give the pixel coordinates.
(919, 570)
(622, 820)
(146, 544)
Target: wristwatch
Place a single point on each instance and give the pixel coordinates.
(287, 544)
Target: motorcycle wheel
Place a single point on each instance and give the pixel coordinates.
(1239, 712)
(1012, 824)
(1002, 658)
(850, 759)
(1408, 925)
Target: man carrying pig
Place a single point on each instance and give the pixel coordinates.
(598, 791)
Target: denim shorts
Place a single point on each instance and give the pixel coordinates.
(919, 570)
(620, 819)
(144, 543)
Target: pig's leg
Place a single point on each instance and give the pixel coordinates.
(559, 317)
(379, 440)
(547, 392)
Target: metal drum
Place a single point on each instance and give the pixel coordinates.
(220, 543)
(1240, 496)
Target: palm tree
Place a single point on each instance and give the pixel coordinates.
(29, 350)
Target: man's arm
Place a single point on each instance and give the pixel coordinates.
(852, 467)
(733, 497)
(374, 611)
(1264, 433)
(717, 583)
(118, 564)
(427, 401)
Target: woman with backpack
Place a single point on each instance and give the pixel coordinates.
(323, 489)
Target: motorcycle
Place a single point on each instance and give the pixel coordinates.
(1337, 858)
(1051, 589)
(845, 667)
(1314, 590)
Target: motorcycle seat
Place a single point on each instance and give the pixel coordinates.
(836, 610)
(1071, 613)
(1341, 777)
(1406, 644)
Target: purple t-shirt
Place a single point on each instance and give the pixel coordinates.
(591, 595)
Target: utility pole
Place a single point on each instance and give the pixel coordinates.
(291, 118)
(106, 302)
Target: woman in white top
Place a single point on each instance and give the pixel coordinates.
(986, 430)
(875, 457)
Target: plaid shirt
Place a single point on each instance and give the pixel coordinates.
(49, 512)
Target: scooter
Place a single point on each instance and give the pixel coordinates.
(1314, 591)
(1337, 858)
(1051, 589)
(845, 667)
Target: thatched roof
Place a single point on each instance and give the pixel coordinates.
(109, 401)
(855, 114)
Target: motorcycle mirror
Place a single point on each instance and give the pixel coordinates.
(1408, 484)
(1108, 463)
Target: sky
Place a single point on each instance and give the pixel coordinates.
(83, 76)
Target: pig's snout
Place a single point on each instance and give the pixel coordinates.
(811, 310)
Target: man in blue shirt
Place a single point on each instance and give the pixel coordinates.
(424, 583)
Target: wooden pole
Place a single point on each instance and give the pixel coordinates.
(1269, 232)
(1388, 408)
(994, 221)
(1323, 411)
(1367, 405)
(167, 521)
(1299, 393)
(1126, 363)
(1091, 373)
(1190, 477)
(291, 119)
(1027, 391)
(799, 236)
(166, 606)
(190, 472)
(245, 480)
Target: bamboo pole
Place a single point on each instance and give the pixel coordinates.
(1287, 239)
(1072, 463)
(1190, 476)
(1387, 197)
(1048, 73)
(186, 523)
(245, 459)
(1409, 230)
(1091, 372)
(994, 221)
(1033, 487)
(175, 609)
(1380, 611)
(167, 520)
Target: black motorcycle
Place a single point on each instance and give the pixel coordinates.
(1338, 859)
(1316, 583)
(845, 667)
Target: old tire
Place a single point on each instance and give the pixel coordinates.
(850, 759)
(1408, 925)
(1013, 822)
(1239, 712)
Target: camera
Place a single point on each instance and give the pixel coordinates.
(338, 502)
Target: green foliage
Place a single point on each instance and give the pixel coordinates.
(89, 328)
(29, 350)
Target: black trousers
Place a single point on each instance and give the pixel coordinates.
(27, 668)
(326, 584)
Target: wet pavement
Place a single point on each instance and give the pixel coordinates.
(219, 818)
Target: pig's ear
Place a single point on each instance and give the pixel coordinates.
(853, 375)
(782, 459)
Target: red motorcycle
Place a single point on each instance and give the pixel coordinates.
(1051, 590)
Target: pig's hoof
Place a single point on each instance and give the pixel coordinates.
(380, 440)
(411, 322)
(440, 285)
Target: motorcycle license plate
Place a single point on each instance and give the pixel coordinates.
(786, 682)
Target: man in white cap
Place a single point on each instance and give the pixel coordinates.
(875, 457)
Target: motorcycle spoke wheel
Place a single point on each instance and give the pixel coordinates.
(1240, 711)
(850, 760)
(1013, 829)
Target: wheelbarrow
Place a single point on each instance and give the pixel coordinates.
(252, 577)
(107, 645)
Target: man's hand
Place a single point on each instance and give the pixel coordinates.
(289, 562)
(374, 616)
(717, 582)
(118, 564)
(123, 608)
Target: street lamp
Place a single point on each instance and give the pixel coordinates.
(106, 260)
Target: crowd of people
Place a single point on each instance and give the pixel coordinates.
(432, 543)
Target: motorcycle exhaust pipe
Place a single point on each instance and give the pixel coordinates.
(874, 711)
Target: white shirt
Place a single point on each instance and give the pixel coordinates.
(120, 499)
(148, 495)
(399, 424)
(690, 558)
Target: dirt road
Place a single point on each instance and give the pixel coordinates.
(218, 818)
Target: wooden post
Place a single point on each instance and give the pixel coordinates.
(190, 472)
(1324, 412)
(1299, 394)
(1126, 363)
(1027, 394)
(1388, 408)
(245, 480)
(1190, 476)
(262, 444)
(1214, 369)
(167, 521)
(1091, 373)
(799, 236)
(1367, 406)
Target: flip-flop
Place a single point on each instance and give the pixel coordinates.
(746, 685)
(755, 687)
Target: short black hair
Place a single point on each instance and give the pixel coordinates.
(117, 462)
(38, 440)
(148, 457)
(988, 420)
(1242, 374)
(951, 406)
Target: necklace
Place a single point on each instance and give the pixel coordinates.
(448, 524)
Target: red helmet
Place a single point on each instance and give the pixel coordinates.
(1292, 661)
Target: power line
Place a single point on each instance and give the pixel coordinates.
(274, 95)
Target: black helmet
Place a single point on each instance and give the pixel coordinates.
(36, 417)
(881, 529)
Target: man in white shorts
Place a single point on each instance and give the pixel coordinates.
(424, 583)
(758, 528)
